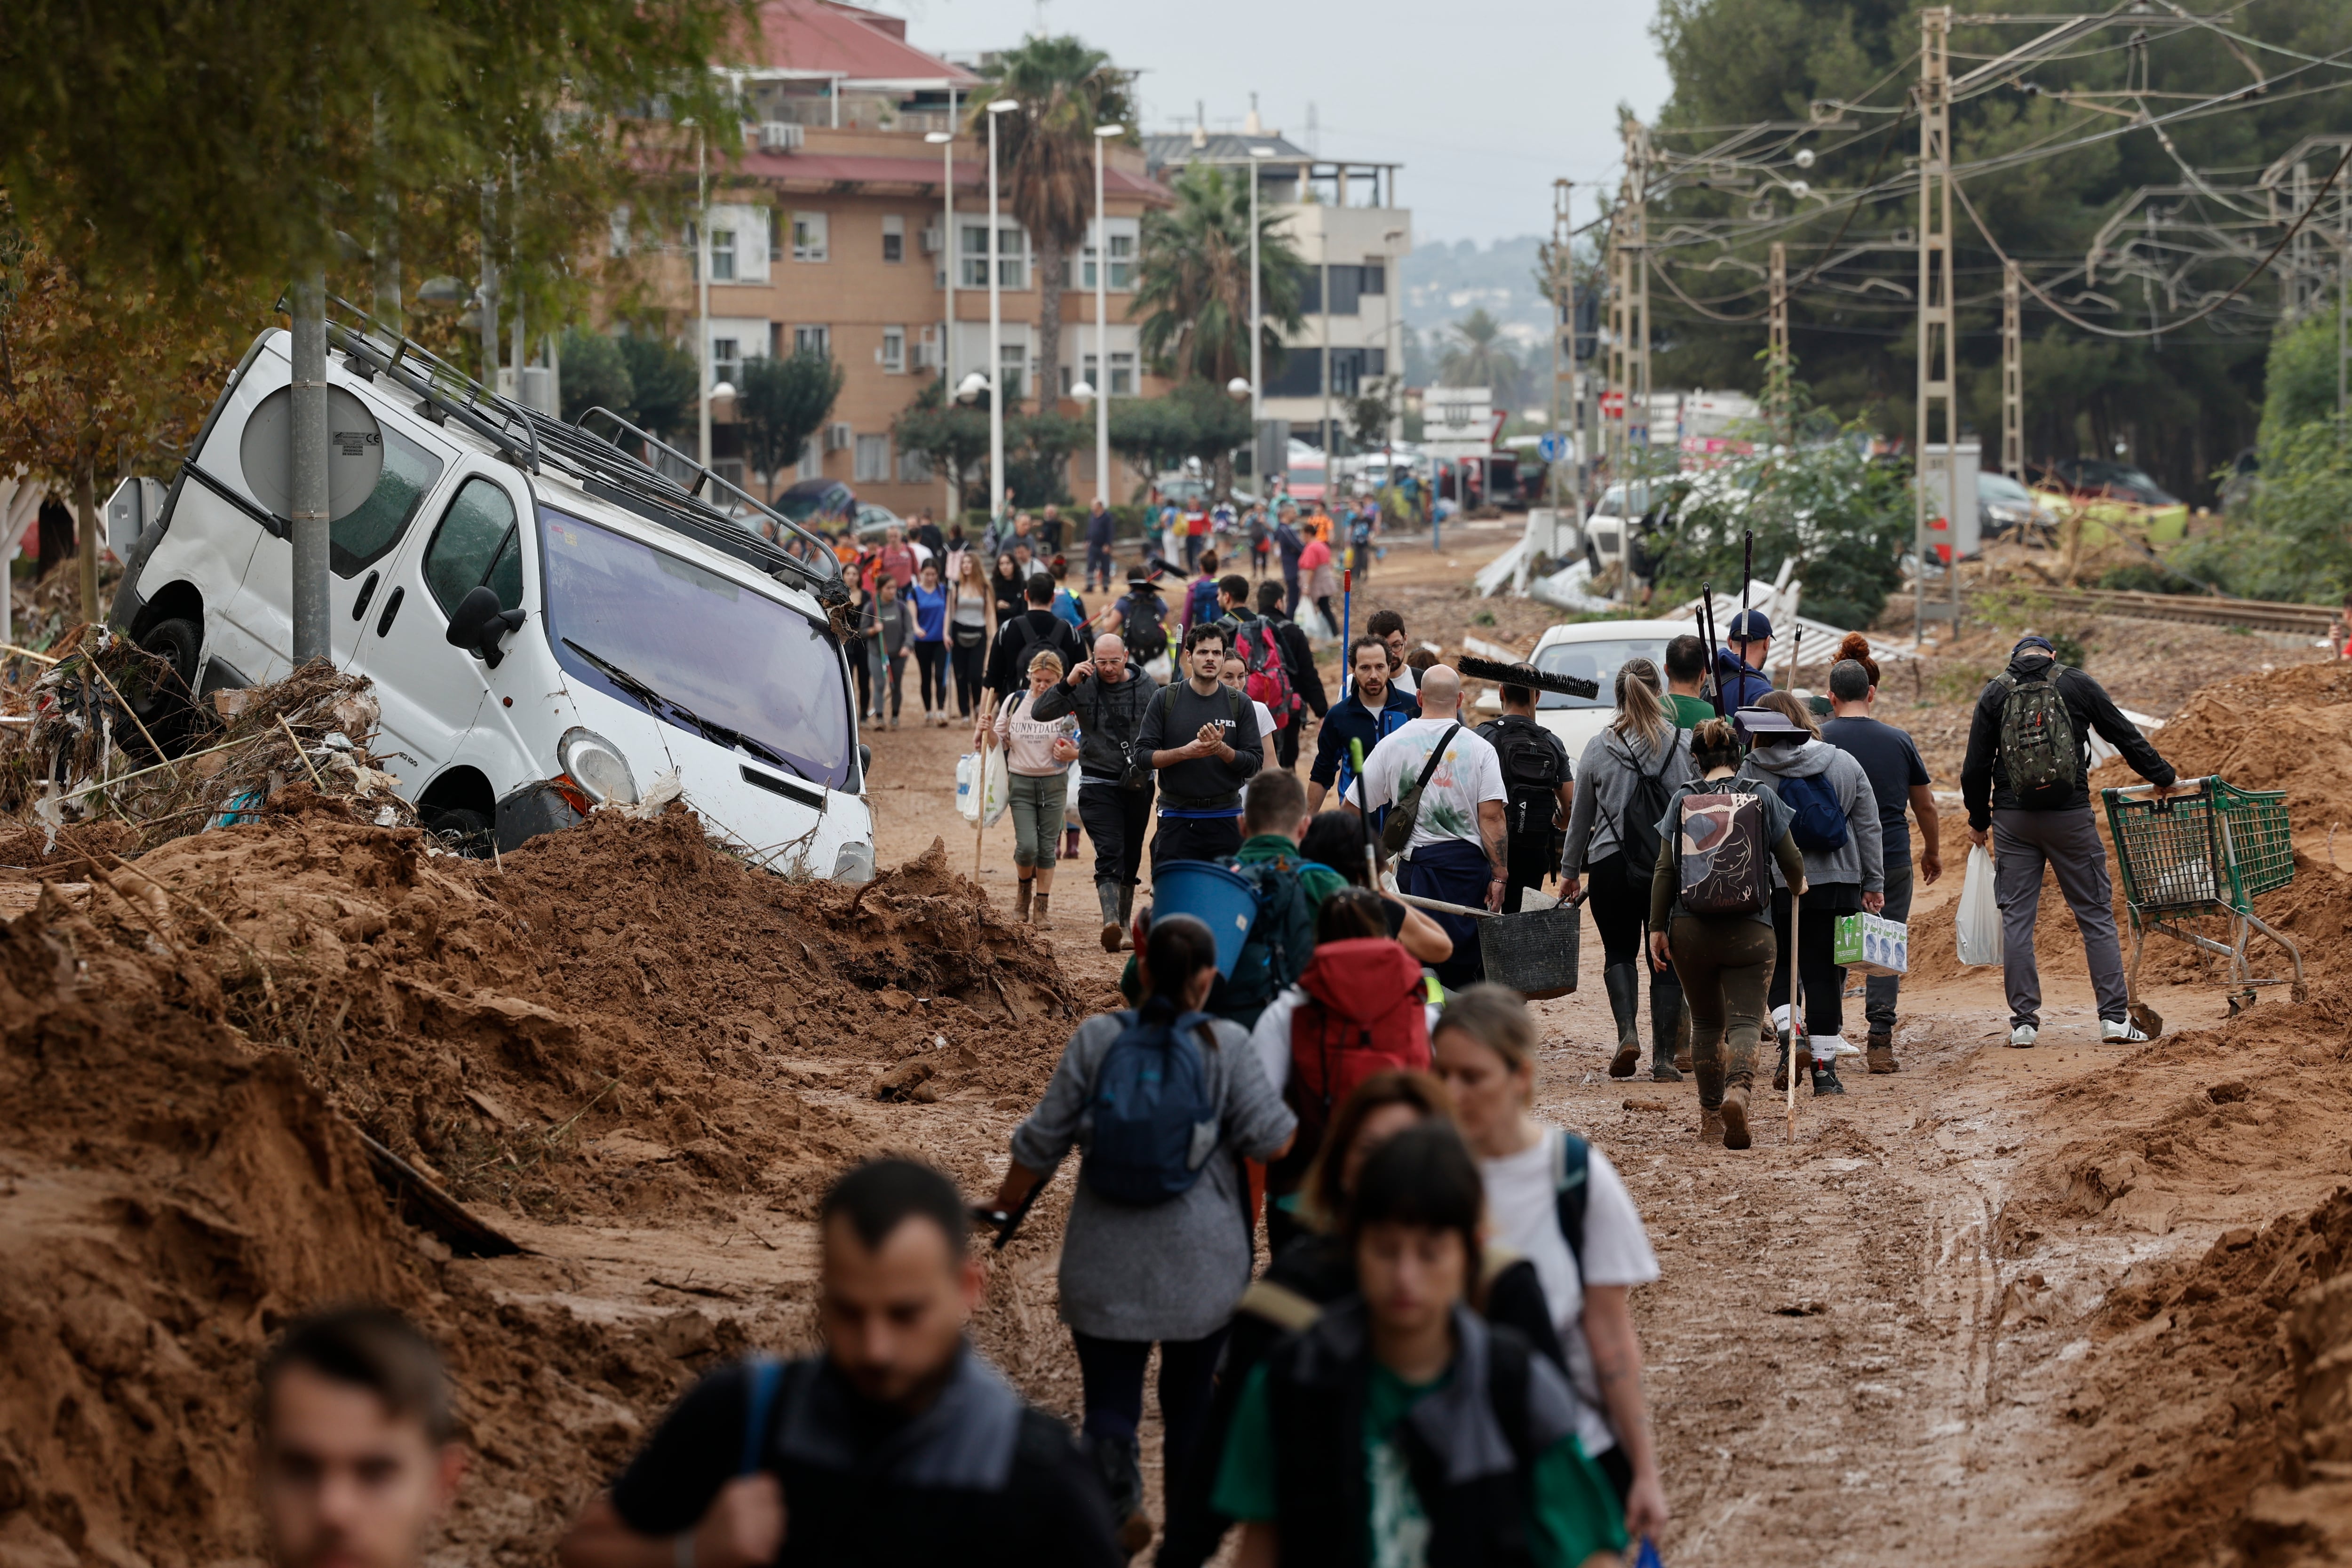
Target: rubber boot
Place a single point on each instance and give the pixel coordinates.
(1623, 982)
(1022, 891)
(1665, 1017)
(1126, 907)
(1879, 1051)
(1118, 1461)
(1107, 895)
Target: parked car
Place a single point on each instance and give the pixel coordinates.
(1595, 649)
(2091, 480)
(819, 504)
(2005, 509)
(550, 624)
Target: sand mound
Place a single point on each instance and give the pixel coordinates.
(2287, 729)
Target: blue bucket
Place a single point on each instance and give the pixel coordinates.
(1219, 899)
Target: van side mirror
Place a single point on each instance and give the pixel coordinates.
(479, 626)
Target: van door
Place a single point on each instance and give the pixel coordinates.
(442, 705)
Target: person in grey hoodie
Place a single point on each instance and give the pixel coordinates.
(1835, 823)
(1169, 1273)
(1624, 781)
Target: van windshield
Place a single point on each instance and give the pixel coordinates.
(695, 649)
(1595, 661)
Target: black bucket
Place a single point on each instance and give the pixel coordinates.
(1534, 953)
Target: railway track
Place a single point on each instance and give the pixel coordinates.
(2258, 615)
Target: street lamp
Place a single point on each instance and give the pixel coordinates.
(945, 141)
(1102, 321)
(1240, 388)
(996, 327)
(971, 387)
(701, 295)
(1257, 372)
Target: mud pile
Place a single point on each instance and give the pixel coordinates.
(2288, 729)
(618, 1020)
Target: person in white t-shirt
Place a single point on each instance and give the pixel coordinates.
(1234, 675)
(1457, 851)
(1483, 1047)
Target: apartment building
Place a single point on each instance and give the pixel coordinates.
(831, 233)
(1343, 218)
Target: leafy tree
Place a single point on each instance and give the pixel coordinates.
(1040, 473)
(1479, 357)
(780, 403)
(2295, 543)
(2299, 377)
(1193, 280)
(953, 437)
(662, 380)
(1194, 420)
(595, 375)
(1046, 150)
(1846, 520)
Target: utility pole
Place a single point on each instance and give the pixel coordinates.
(1775, 364)
(306, 476)
(490, 306)
(2300, 292)
(1563, 337)
(1935, 346)
(702, 302)
(2012, 375)
(1628, 331)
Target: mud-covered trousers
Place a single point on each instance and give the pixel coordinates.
(1724, 963)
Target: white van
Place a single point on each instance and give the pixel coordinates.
(1595, 651)
(550, 622)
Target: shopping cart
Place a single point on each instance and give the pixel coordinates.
(2187, 856)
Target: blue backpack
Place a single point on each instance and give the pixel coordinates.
(1155, 1122)
(1818, 822)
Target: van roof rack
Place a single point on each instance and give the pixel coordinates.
(535, 440)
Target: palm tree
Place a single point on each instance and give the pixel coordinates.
(1477, 357)
(1191, 285)
(1046, 156)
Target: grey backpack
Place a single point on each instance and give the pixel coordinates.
(2039, 750)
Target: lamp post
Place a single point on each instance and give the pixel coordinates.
(1257, 329)
(945, 141)
(995, 330)
(703, 302)
(1102, 320)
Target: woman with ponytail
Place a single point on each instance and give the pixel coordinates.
(1627, 774)
(1897, 779)
(1165, 1266)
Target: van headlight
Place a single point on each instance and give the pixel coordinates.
(854, 863)
(596, 765)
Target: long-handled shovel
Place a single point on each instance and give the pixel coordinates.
(1796, 1010)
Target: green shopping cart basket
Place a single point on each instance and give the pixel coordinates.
(2211, 851)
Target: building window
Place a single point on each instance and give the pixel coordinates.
(812, 463)
(730, 469)
(808, 237)
(914, 469)
(894, 238)
(1376, 279)
(1122, 257)
(1011, 256)
(726, 359)
(873, 460)
(620, 221)
(1012, 361)
(1122, 373)
(894, 350)
(722, 256)
(817, 341)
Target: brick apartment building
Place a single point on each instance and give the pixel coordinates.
(830, 232)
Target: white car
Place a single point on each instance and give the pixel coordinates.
(1594, 649)
(550, 622)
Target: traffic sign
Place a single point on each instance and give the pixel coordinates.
(1612, 404)
(1554, 446)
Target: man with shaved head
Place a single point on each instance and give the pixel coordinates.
(1458, 852)
(1109, 692)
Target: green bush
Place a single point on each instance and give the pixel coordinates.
(1845, 520)
(2295, 543)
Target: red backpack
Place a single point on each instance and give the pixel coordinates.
(1364, 1013)
(1268, 680)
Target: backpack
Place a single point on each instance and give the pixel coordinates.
(1155, 1122)
(1637, 829)
(1571, 1183)
(1365, 1012)
(2040, 753)
(1818, 821)
(1047, 638)
(1268, 680)
(1533, 771)
(1141, 628)
(1724, 862)
(1281, 940)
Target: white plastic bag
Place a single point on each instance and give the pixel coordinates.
(1070, 799)
(982, 788)
(1980, 914)
(968, 776)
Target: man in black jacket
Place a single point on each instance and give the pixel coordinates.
(1539, 790)
(897, 1444)
(1298, 659)
(1202, 737)
(2051, 825)
(1108, 693)
(1021, 636)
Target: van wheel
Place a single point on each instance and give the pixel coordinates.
(167, 705)
(463, 829)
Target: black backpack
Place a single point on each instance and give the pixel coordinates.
(1534, 767)
(1143, 630)
(1045, 628)
(1637, 830)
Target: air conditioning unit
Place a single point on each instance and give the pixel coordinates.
(926, 356)
(933, 241)
(839, 437)
(780, 136)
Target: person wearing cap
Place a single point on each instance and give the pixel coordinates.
(1739, 663)
(2052, 827)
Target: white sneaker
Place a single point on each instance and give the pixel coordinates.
(2120, 1031)
(2024, 1035)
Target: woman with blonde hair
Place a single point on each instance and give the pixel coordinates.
(1038, 757)
(1624, 781)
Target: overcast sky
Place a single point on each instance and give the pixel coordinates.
(1484, 102)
